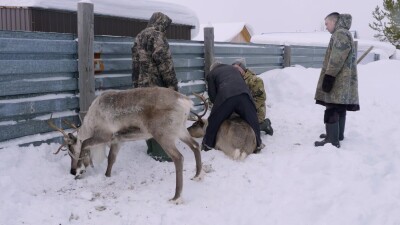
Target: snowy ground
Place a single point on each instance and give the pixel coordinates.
(289, 182)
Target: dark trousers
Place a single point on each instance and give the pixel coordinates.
(240, 104)
(333, 112)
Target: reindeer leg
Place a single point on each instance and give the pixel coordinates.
(112, 155)
(84, 156)
(189, 141)
(178, 161)
(95, 140)
(177, 158)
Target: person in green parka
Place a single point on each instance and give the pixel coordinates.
(337, 87)
(152, 65)
(256, 86)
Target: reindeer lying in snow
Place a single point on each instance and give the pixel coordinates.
(235, 137)
(130, 115)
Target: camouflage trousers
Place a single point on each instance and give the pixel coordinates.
(261, 112)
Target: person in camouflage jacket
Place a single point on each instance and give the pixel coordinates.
(152, 63)
(256, 86)
(337, 87)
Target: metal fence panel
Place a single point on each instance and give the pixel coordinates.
(31, 127)
(38, 77)
(34, 106)
(20, 87)
(259, 58)
(36, 65)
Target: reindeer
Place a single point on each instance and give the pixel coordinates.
(235, 137)
(130, 115)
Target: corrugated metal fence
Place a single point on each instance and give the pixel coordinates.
(307, 56)
(259, 58)
(38, 75)
(313, 56)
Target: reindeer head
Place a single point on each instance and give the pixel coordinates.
(198, 128)
(71, 144)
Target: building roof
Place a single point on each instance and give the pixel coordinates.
(223, 32)
(138, 9)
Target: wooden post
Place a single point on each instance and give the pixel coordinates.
(287, 54)
(208, 49)
(85, 57)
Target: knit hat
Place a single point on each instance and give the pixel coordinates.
(240, 62)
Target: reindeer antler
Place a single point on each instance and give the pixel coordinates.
(68, 123)
(60, 148)
(50, 122)
(205, 105)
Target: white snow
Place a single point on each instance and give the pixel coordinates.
(85, 1)
(396, 55)
(223, 32)
(139, 9)
(289, 182)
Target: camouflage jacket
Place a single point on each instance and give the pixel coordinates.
(152, 63)
(340, 62)
(256, 86)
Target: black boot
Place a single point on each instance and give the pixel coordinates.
(332, 131)
(205, 147)
(258, 149)
(342, 124)
(266, 127)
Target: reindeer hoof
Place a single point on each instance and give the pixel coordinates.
(177, 201)
(199, 177)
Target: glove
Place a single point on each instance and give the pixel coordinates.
(327, 83)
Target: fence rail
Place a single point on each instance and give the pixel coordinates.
(259, 58)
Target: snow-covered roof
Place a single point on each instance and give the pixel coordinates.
(320, 39)
(223, 32)
(138, 9)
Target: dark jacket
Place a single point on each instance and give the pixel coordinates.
(340, 62)
(225, 81)
(152, 63)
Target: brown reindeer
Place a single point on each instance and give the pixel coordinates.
(135, 114)
(235, 137)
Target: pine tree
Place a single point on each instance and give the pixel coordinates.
(387, 22)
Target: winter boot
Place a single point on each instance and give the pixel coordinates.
(156, 151)
(205, 147)
(266, 127)
(332, 135)
(258, 149)
(342, 124)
